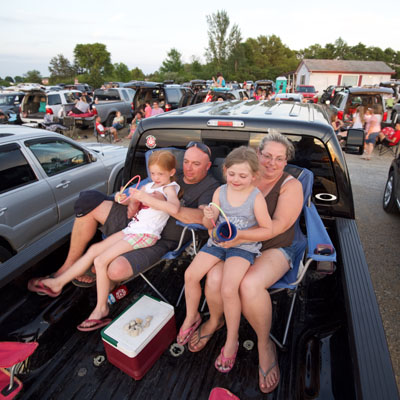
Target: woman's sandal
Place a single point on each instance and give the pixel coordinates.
(265, 374)
(194, 348)
(184, 336)
(229, 361)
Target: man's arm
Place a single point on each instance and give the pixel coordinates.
(190, 215)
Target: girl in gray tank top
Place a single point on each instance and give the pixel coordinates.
(245, 208)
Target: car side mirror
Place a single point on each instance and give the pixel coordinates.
(354, 141)
(92, 157)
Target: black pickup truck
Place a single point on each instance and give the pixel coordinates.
(336, 343)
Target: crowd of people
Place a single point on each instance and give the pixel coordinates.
(260, 199)
(369, 119)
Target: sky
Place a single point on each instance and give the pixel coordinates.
(140, 34)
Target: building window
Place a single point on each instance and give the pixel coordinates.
(302, 80)
(350, 80)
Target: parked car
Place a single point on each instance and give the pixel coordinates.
(308, 92)
(297, 97)
(82, 87)
(225, 93)
(329, 93)
(41, 175)
(395, 114)
(346, 101)
(391, 195)
(395, 85)
(10, 102)
(265, 84)
(54, 102)
(109, 101)
(168, 95)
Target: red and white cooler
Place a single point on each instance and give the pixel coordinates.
(135, 355)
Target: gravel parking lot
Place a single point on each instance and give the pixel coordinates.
(379, 234)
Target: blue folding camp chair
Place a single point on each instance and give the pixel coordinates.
(183, 244)
(306, 247)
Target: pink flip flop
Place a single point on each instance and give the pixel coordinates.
(36, 285)
(230, 361)
(187, 334)
(96, 324)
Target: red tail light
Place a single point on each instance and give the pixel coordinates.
(168, 107)
(384, 116)
(132, 107)
(49, 111)
(340, 115)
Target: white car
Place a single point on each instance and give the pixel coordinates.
(37, 102)
(41, 176)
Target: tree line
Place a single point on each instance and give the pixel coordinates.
(265, 57)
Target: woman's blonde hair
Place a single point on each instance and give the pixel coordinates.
(241, 155)
(275, 136)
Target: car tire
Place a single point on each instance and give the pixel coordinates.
(389, 200)
(109, 120)
(4, 254)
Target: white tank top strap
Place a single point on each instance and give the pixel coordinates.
(288, 178)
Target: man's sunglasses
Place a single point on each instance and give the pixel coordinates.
(204, 148)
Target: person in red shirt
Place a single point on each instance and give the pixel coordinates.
(390, 136)
(101, 130)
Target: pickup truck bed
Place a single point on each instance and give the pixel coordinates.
(336, 344)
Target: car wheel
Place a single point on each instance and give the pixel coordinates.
(389, 200)
(4, 254)
(110, 120)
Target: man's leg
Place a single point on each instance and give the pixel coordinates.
(83, 231)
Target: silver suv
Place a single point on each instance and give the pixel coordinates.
(41, 175)
(37, 102)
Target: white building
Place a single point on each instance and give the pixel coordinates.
(323, 73)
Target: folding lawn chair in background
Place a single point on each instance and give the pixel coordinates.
(307, 247)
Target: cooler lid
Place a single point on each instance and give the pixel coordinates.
(115, 334)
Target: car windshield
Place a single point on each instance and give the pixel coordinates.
(7, 100)
(306, 89)
(110, 94)
(70, 97)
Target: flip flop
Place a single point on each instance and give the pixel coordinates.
(265, 374)
(226, 360)
(37, 286)
(200, 338)
(97, 324)
(89, 274)
(187, 334)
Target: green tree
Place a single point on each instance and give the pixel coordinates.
(221, 45)
(61, 68)
(121, 72)
(33, 76)
(9, 79)
(93, 59)
(137, 74)
(18, 79)
(173, 62)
